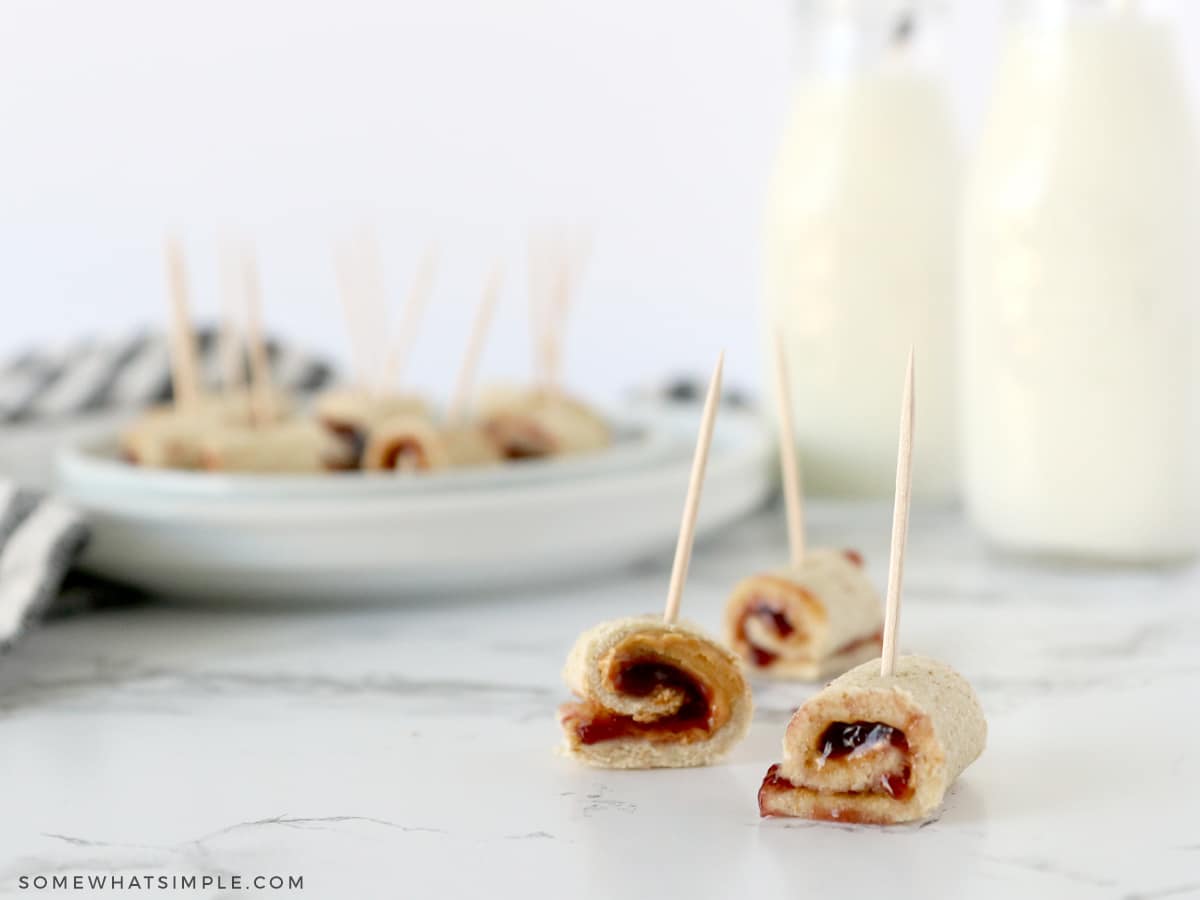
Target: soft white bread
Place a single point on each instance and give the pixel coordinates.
(415, 443)
(806, 622)
(295, 446)
(469, 445)
(353, 414)
(640, 678)
(934, 728)
(534, 423)
(361, 409)
(165, 438)
(171, 437)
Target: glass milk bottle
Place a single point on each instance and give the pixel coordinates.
(1080, 378)
(860, 247)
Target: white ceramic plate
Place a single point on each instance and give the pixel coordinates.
(356, 537)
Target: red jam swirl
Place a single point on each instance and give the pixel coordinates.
(354, 439)
(840, 739)
(771, 615)
(518, 440)
(641, 678)
(406, 454)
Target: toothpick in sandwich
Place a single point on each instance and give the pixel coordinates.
(883, 743)
(170, 436)
(353, 413)
(543, 419)
(817, 616)
(416, 443)
(654, 692)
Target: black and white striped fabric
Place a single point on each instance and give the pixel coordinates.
(96, 376)
(39, 539)
(52, 390)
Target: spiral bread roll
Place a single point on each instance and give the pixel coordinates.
(874, 749)
(354, 414)
(527, 424)
(174, 437)
(652, 695)
(806, 622)
(291, 447)
(414, 443)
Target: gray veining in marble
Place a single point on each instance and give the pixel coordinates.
(407, 751)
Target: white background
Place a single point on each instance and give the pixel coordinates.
(650, 122)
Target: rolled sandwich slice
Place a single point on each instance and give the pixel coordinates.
(806, 622)
(652, 695)
(877, 750)
(414, 443)
(167, 439)
(535, 423)
(352, 414)
(292, 447)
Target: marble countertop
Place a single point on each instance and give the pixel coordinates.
(407, 752)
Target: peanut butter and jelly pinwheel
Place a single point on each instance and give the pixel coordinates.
(544, 419)
(652, 695)
(352, 415)
(295, 446)
(653, 692)
(416, 444)
(883, 743)
(806, 622)
(819, 615)
(877, 749)
(540, 422)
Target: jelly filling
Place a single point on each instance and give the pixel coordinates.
(771, 615)
(641, 678)
(405, 454)
(355, 440)
(841, 739)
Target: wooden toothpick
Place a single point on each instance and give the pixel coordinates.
(414, 309)
(555, 314)
(571, 263)
(788, 460)
(891, 622)
(349, 294)
(232, 367)
(185, 379)
(539, 336)
(470, 363)
(262, 401)
(360, 288)
(691, 506)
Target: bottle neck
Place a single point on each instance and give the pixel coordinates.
(841, 38)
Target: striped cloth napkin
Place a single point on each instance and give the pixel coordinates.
(97, 376)
(47, 393)
(39, 538)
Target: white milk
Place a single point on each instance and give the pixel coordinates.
(1080, 375)
(860, 263)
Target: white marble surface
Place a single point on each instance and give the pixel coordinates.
(407, 752)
